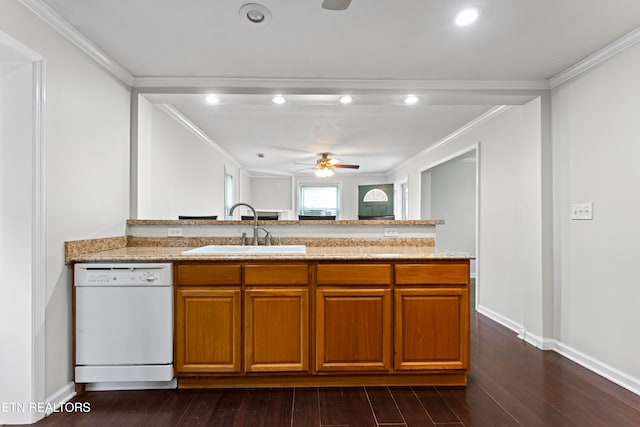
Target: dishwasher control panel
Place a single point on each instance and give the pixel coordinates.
(90, 274)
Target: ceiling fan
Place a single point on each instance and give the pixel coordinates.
(325, 165)
(336, 4)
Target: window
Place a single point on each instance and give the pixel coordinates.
(405, 200)
(319, 200)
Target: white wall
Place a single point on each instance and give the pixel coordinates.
(179, 173)
(245, 186)
(272, 193)
(596, 129)
(510, 212)
(16, 235)
(86, 168)
(425, 195)
(453, 198)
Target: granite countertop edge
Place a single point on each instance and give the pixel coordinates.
(270, 257)
(175, 254)
(128, 249)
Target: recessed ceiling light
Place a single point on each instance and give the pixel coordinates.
(212, 99)
(411, 99)
(254, 14)
(279, 99)
(346, 99)
(467, 16)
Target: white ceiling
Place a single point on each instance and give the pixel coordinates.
(515, 43)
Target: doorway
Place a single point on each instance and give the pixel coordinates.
(449, 192)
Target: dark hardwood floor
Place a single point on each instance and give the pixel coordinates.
(511, 384)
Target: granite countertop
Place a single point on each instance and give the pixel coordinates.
(157, 254)
(123, 249)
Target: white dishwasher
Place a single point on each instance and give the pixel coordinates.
(124, 325)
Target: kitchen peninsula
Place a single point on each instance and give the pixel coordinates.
(361, 309)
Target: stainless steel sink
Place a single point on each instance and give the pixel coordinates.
(249, 249)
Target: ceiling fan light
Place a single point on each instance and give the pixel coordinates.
(324, 172)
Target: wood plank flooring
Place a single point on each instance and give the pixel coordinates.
(511, 384)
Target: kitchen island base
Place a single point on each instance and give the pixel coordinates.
(281, 323)
(361, 380)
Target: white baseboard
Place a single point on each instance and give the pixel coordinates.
(63, 395)
(132, 385)
(504, 321)
(612, 374)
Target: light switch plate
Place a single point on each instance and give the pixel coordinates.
(582, 211)
(390, 232)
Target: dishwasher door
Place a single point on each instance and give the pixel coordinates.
(123, 323)
(128, 325)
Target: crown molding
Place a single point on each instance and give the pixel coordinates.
(184, 121)
(48, 15)
(42, 10)
(483, 118)
(19, 48)
(596, 58)
(203, 83)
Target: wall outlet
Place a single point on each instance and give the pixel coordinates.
(174, 232)
(390, 232)
(582, 211)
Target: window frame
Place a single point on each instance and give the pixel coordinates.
(335, 184)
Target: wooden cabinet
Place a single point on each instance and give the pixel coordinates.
(276, 274)
(353, 329)
(208, 274)
(353, 274)
(433, 273)
(276, 330)
(207, 334)
(310, 323)
(431, 328)
(431, 317)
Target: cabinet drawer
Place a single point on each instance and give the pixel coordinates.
(276, 274)
(208, 274)
(354, 274)
(436, 274)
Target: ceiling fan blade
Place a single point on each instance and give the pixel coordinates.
(336, 4)
(340, 165)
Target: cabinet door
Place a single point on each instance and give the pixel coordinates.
(353, 329)
(431, 328)
(208, 330)
(276, 330)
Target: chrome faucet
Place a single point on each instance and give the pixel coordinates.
(267, 236)
(255, 220)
